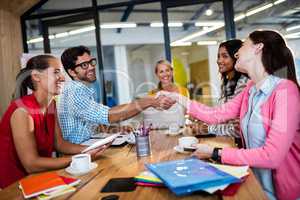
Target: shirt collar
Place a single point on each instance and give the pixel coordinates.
(84, 86)
(267, 85)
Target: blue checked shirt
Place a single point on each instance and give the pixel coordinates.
(78, 113)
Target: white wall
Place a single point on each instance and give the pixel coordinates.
(124, 85)
(214, 75)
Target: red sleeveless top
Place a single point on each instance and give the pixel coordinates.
(11, 168)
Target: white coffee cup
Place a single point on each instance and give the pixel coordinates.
(81, 162)
(187, 141)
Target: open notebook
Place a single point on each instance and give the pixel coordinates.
(162, 119)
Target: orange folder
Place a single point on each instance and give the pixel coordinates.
(37, 184)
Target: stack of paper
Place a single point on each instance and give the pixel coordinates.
(46, 185)
(189, 175)
(236, 171)
(147, 178)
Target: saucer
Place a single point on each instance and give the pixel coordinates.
(179, 149)
(180, 131)
(70, 170)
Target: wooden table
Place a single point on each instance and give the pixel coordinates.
(122, 162)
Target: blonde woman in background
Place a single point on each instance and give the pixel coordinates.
(164, 73)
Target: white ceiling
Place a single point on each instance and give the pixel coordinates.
(278, 17)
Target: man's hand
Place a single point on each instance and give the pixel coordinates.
(203, 151)
(163, 102)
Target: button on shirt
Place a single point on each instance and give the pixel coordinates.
(78, 112)
(254, 131)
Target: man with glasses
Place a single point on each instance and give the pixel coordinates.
(78, 112)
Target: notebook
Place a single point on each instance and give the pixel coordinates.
(58, 192)
(32, 186)
(189, 175)
(162, 119)
(148, 179)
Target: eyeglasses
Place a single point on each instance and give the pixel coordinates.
(85, 65)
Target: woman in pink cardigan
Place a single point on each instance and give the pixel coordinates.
(269, 112)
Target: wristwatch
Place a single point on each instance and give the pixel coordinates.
(215, 155)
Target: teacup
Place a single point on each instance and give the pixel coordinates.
(186, 142)
(81, 162)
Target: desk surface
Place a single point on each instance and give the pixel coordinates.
(123, 162)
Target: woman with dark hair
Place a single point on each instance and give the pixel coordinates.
(269, 112)
(29, 129)
(233, 82)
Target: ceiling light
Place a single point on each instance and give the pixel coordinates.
(51, 37)
(180, 44)
(293, 28)
(118, 25)
(212, 42)
(292, 35)
(239, 17)
(82, 30)
(170, 24)
(199, 33)
(60, 35)
(279, 1)
(156, 24)
(175, 24)
(209, 12)
(35, 40)
(259, 9)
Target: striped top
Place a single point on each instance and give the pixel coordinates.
(229, 128)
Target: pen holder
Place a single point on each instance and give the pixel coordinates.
(143, 147)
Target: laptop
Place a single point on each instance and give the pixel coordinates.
(163, 119)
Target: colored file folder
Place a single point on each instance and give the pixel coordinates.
(189, 175)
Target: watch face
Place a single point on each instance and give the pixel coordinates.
(215, 155)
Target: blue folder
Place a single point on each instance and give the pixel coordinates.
(189, 175)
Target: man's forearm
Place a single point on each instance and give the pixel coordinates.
(126, 111)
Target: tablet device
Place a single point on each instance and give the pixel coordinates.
(101, 142)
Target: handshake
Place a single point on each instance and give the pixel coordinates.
(164, 100)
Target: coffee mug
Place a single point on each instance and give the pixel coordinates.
(81, 162)
(187, 141)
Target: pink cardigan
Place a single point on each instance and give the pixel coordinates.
(281, 151)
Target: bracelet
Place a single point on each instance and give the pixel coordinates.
(215, 155)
